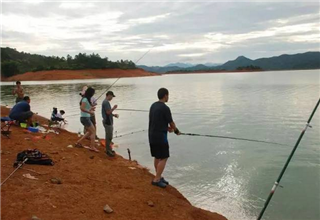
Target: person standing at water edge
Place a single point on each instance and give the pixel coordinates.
(107, 115)
(86, 111)
(159, 119)
(19, 91)
(93, 117)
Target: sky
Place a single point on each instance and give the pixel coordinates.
(164, 31)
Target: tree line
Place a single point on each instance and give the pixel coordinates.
(14, 62)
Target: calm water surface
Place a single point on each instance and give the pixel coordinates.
(230, 177)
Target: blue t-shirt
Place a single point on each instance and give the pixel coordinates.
(87, 107)
(19, 108)
(159, 118)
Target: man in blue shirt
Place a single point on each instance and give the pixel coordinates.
(160, 122)
(21, 111)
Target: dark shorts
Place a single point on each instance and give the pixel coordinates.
(22, 117)
(85, 121)
(18, 99)
(93, 119)
(160, 151)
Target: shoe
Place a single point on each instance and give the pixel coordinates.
(159, 184)
(110, 154)
(164, 181)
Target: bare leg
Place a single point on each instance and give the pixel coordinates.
(156, 162)
(87, 134)
(92, 131)
(160, 168)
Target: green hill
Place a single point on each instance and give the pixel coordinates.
(14, 62)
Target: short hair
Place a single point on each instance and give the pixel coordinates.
(62, 112)
(26, 98)
(18, 82)
(162, 92)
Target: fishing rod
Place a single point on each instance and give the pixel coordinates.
(121, 77)
(108, 88)
(140, 110)
(234, 138)
(133, 132)
(276, 184)
(20, 165)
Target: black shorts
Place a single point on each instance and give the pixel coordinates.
(160, 151)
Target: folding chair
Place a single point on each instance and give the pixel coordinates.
(5, 129)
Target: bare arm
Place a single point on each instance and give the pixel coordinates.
(83, 108)
(173, 128)
(109, 112)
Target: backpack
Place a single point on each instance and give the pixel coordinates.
(34, 157)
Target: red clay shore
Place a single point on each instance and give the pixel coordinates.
(89, 181)
(78, 74)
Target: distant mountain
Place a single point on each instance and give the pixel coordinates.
(159, 69)
(181, 65)
(234, 64)
(212, 64)
(308, 60)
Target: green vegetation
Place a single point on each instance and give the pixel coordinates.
(14, 62)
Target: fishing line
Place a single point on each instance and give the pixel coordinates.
(140, 110)
(133, 132)
(233, 138)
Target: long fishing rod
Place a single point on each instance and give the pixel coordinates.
(276, 184)
(234, 138)
(108, 88)
(140, 110)
(121, 77)
(20, 165)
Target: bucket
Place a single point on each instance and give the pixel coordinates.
(32, 129)
(23, 125)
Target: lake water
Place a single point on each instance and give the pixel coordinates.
(230, 177)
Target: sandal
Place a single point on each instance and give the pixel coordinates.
(94, 149)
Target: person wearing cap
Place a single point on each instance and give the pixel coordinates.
(159, 119)
(107, 115)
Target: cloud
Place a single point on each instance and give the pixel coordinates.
(172, 31)
(192, 55)
(76, 5)
(147, 20)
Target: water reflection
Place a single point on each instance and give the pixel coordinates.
(226, 176)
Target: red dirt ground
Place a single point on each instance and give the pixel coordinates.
(79, 74)
(87, 184)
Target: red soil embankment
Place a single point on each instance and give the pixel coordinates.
(79, 74)
(89, 181)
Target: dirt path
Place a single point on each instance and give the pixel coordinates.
(89, 182)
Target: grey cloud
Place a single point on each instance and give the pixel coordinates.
(187, 22)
